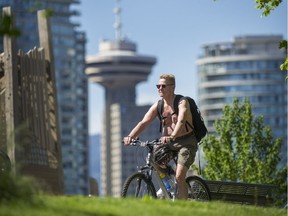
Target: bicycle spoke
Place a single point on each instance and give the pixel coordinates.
(138, 186)
(198, 189)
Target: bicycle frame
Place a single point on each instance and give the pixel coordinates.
(151, 168)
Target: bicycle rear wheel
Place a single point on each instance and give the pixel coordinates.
(137, 185)
(197, 189)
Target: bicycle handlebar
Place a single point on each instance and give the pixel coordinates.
(137, 142)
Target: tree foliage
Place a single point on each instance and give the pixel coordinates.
(243, 149)
(6, 21)
(6, 26)
(267, 5)
(283, 45)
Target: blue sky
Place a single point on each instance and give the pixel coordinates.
(174, 32)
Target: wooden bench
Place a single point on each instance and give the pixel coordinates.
(243, 193)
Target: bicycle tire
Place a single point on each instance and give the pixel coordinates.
(5, 163)
(138, 186)
(198, 189)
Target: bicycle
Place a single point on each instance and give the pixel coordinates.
(140, 184)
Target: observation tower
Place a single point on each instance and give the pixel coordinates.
(118, 68)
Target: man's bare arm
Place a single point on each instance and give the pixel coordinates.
(140, 127)
(182, 107)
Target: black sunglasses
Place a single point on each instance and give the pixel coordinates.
(163, 86)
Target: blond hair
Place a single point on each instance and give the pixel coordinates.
(169, 77)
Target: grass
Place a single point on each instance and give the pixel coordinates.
(95, 206)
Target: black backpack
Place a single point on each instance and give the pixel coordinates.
(198, 122)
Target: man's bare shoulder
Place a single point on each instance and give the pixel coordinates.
(153, 107)
(183, 101)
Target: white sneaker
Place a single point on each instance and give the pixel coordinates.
(160, 193)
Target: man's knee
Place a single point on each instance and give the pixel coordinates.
(181, 173)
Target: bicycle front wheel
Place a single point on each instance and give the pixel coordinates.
(137, 185)
(197, 189)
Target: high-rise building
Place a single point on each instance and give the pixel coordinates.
(119, 68)
(247, 67)
(71, 81)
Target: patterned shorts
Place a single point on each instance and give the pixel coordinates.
(185, 149)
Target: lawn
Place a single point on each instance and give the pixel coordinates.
(95, 206)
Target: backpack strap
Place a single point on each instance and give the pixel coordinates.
(176, 102)
(160, 106)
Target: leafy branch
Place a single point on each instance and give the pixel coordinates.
(267, 6)
(284, 45)
(6, 27)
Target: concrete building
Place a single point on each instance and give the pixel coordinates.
(246, 67)
(71, 81)
(119, 68)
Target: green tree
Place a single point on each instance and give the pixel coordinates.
(243, 149)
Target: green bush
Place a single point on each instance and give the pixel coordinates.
(15, 188)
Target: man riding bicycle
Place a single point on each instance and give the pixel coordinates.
(179, 137)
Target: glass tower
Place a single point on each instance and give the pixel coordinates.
(71, 81)
(246, 67)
